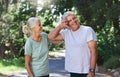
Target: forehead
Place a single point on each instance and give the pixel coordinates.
(70, 16)
(38, 22)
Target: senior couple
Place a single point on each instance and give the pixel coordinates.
(80, 45)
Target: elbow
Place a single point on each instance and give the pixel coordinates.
(50, 37)
(27, 64)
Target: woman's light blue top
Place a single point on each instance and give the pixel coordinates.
(39, 55)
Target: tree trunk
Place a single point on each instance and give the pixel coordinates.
(116, 26)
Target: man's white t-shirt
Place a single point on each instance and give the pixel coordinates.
(77, 52)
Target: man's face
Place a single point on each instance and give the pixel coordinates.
(72, 22)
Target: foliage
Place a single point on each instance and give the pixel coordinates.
(102, 16)
(16, 62)
(97, 12)
(105, 40)
(112, 62)
(49, 15)
(10, 65)
(107, 45)
(11, 35)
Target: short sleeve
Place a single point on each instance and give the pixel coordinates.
(63, 32)
(45, 35)
(91, 35)
(28, 48)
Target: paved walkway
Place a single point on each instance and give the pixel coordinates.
(56, 68)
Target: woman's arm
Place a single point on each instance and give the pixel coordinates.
(27, 64)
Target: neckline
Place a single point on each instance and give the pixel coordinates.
(36, 41)
(76, 30)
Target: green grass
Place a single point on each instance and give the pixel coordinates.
(11, 65)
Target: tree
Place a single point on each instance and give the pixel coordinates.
(12, 19)
(103, 16)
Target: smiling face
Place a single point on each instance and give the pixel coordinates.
(73, 23)
(38, 27)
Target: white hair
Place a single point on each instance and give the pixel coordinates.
(30, 24)
(66, 14)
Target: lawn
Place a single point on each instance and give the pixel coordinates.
(11, 65)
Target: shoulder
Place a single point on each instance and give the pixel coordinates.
(85, 27)
(43, 34)
(28, 42)
(64, 30)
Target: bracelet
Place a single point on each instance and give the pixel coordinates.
(92, 70)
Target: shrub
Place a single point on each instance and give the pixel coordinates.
(112, 62)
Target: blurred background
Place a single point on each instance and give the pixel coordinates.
(102, 15)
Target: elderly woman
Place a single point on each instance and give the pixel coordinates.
(81, 46)
(36, 49)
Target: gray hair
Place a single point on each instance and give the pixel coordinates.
(30, 24)
(66, 14)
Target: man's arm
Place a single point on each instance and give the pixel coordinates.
(93, 50)
(55, 34)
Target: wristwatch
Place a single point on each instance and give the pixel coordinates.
(92, 70)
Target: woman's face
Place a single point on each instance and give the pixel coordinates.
(72, 22)
(38, 27)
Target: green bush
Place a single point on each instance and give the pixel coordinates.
(112, 62)
(18, 62)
